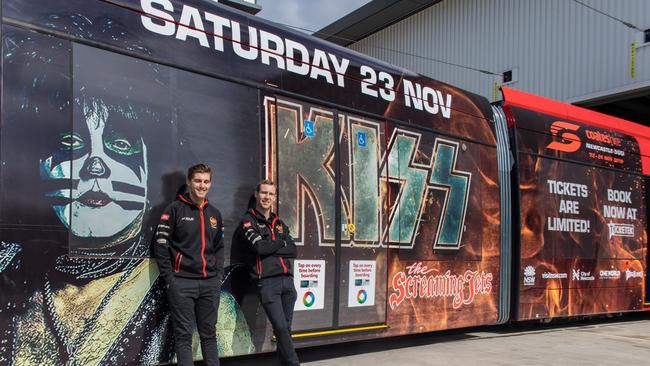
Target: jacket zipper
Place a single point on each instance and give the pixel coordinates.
(283, 266)
(205, 275)
(177, 261)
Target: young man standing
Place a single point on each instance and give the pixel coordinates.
(269, 258)
(189, 251)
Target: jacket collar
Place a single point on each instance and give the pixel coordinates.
(185, 197)
(258, 215)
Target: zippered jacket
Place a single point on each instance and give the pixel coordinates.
(188, 240)
(269, 247)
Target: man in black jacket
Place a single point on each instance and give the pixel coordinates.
(189, 251)
(269, 259)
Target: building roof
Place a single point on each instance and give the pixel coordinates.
(370, 18)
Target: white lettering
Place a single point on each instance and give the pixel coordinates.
(218, 23)
(297, 66)
(237, 45)
(340, 68)
(192, 26)
(268, 52)
(167, 28)
(320, 66)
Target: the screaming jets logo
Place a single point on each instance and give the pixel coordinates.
(569, 142)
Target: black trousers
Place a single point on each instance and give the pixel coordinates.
(278, 297)
(194, 302)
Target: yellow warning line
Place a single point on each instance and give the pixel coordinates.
(339, 331)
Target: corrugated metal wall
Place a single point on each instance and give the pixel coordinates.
(559, 48)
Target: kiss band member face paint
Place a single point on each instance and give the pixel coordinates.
(102, 191)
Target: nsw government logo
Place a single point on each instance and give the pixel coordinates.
(580, 275)
(529, 276)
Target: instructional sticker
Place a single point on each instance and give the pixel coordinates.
(309, 280)
(361, 289)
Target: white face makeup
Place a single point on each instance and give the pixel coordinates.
(108, 173)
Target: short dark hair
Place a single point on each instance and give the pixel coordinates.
(198, 168)
(266, 182)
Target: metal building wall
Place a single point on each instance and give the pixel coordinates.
(558, 48)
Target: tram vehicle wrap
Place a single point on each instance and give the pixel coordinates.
(582, 235)
(403, 193)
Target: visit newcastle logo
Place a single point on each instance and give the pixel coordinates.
(620, 230)
(554, 276)
(529, 276)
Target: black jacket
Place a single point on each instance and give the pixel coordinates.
(268, 246)
(188, 240)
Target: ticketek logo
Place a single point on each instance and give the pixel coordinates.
(569, 142)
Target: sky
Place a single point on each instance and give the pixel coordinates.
(308, 14)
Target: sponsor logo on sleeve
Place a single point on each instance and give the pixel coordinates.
(164, 217)
(247, 225)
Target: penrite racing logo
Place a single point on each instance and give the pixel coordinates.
(570, 142)
(620, 229)
(418, 282)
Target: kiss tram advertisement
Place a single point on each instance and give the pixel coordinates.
(415, 206)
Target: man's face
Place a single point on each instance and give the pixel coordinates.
(108, 172)
(265, 196)
(200, 185)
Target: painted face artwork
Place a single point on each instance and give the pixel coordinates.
(98, 172)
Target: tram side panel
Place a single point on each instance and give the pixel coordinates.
(444, 261)
(583, 218)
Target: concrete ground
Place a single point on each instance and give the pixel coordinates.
(620, 341)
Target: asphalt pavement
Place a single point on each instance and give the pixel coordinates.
(615, 341)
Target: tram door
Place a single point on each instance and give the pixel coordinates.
(325, 164)
(363, 258)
